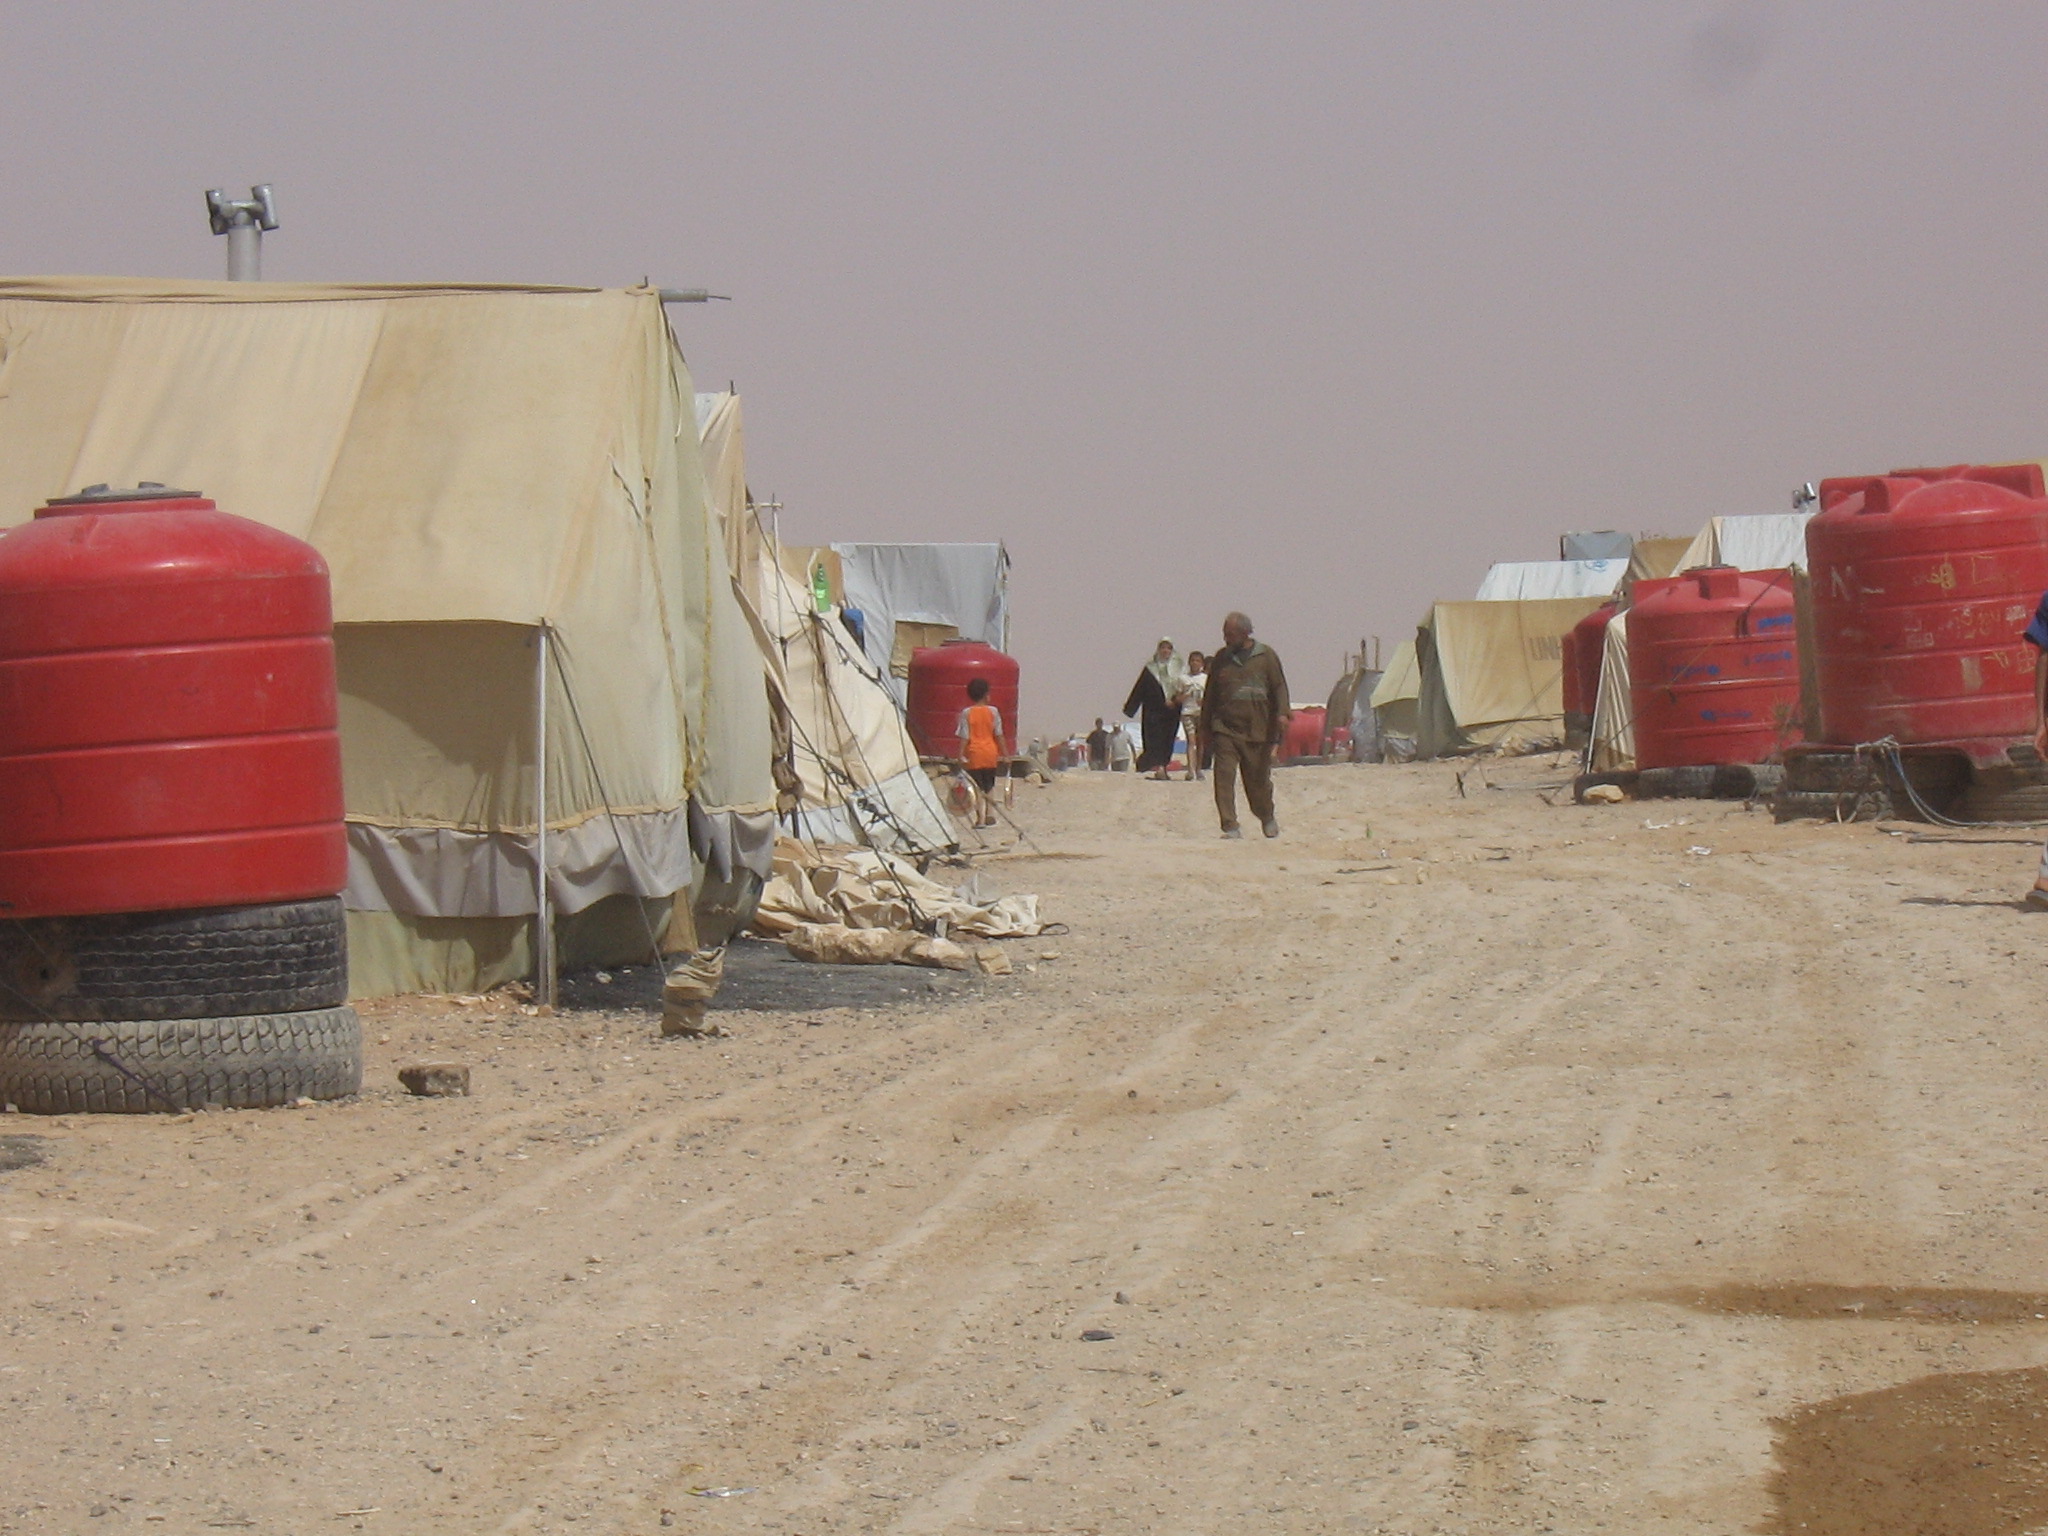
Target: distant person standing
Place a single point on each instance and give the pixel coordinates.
(981, 748)
(2037, 636)
(1244, 715)
(1155, 699)
(1191, 686)
(1098, 747)
(1119, 750)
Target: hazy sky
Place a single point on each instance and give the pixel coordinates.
(1309, 310)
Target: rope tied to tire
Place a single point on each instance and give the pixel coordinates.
(1886, 752)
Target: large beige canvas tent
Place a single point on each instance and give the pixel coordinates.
(541, 658)
(1492, 673)
(855, 769)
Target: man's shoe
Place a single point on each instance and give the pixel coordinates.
(2037, 898)
(1233, 831)
(1272, 827)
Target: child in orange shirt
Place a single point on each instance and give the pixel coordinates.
(981, 750)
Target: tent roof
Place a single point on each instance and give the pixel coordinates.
(489, 454)
(1657, 557)
(455, 452)
(1771, 541)
(156, 290)
(1401, 680)
(1523, 580)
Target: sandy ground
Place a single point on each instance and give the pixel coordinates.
(1459, 1162)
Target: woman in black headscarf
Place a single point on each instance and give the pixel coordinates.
(1154, 697)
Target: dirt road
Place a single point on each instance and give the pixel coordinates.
(1455, 1163)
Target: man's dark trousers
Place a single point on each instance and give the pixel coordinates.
(1256, 759)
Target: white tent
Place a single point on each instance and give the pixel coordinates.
(1613, 743)
(1529, 580)
(1773, 541)
(541, 662)
(855, 771)
(925, 594)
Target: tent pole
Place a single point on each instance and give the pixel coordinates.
(543, 909)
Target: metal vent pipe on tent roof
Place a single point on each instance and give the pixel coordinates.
(243, 221)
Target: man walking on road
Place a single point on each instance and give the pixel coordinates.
(1244, 715)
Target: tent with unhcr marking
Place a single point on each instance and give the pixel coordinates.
(1491, 674)
(538, 646)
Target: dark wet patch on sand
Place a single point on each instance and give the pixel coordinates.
(1860, 1303)
(1964, 1454)
(1799, 1300)
(21, 1152)
(1958, 1455)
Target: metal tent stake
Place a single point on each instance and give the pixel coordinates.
(543, 909)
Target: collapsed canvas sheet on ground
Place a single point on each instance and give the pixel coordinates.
(1613, 745)
(932, 592)
(477, 465)
(1773, 541)
(864, 888)
(1492, 674)
(858, 777)
(1526, 580)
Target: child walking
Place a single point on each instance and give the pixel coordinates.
(981, 749)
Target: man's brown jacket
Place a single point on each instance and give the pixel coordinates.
(1246, 695)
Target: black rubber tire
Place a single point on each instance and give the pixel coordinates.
(1747, 781)
(1832, 773)
(247, 1062)
(1692, 782)
(2002, 792)
(1817, 805)
(213, 962)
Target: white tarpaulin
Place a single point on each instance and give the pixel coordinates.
(1613, 745)
(1525, 580)
(1773, 541)
(858, 777)
(944, 590)
(480, 466)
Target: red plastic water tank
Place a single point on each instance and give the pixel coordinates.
(1713, 668)
(1922, 582)
(1304, 736)
(1584, 644)
(167, 710)
(939, 675)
